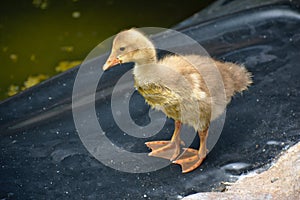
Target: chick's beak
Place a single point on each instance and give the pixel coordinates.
(111, 61)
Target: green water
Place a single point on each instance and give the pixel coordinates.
(35, 35)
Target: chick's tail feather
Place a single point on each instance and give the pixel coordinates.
(236, 78)
(242, 78)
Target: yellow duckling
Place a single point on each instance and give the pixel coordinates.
(174, 86)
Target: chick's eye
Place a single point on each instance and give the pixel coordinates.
(122, 48)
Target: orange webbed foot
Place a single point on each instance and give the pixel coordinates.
(190, 159)
(164, 149)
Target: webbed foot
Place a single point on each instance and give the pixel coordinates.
(164, 149)
(190, 159)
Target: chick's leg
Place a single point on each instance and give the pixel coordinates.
(190, 159)
(167, 149)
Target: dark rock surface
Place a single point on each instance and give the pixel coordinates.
(42, 156)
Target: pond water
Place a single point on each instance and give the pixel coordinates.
(38, 35)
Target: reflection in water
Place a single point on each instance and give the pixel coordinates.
(35, 36)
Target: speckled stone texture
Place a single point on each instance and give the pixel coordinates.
(280, 181)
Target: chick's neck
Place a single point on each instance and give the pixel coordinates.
(146, 56)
